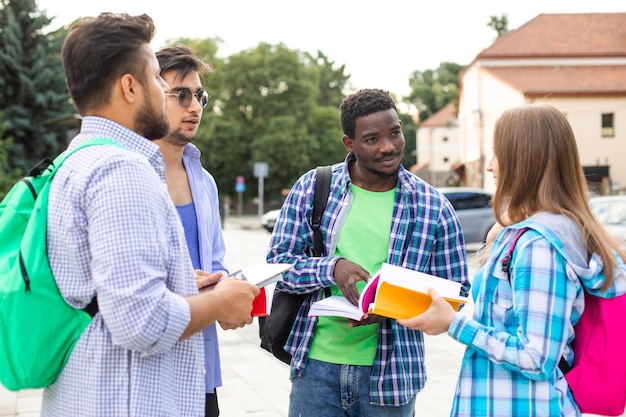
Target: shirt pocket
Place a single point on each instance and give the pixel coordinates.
(499, 300)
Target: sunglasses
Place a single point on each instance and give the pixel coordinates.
(185, 97)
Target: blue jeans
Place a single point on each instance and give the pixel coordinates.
(331, 390)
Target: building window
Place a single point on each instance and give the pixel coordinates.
(445, 138)
(608, 129)
(445, 159)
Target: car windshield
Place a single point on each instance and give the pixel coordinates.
(609, 212)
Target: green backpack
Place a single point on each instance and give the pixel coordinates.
(38, 329)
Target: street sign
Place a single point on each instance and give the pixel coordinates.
(240, 184)
(261, 169)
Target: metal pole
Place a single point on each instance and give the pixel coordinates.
(260, 195)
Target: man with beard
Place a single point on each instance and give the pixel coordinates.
(193, 189)
(377, 212)
(114, 234)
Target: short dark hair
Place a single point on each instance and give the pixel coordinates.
(97, 51)
(181, 59)
(363, 103)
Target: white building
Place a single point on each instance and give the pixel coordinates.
(438, 148)
(575, 62)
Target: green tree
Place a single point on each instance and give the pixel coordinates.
(267, 109)
(499, 24)
(33, 95)
(409, 129)
(332, 80)
(433, 89)
(270, 104)
(8, 175)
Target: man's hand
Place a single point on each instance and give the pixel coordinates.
(369, 319)
(347, 274)
(229, 301)
(205, 279)
(236, 298)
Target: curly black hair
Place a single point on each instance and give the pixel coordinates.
(363, 103)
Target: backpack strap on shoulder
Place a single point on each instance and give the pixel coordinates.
(506, 262)
(320, 198)
(506, 267)
(47, 164)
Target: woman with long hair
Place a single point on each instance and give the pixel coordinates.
(523, 321)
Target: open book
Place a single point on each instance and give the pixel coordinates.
(394, 292)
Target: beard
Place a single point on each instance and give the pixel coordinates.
(384, 175)
(387, 175)
(150, 123)
(177, 137)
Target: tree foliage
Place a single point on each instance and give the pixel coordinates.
(500, 24)
(433, 89)
(8, 175)
(33, 95)
(270, 104)
(409, 129)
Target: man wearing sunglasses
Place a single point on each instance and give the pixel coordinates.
(193, 189)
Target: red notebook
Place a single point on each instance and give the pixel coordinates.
(262, 304)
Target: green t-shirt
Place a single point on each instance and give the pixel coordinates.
(364, 239)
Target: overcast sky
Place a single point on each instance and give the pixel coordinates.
(380, 42)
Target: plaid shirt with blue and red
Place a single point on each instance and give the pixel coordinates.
(425, 236)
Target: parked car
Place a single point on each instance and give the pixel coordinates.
(268, 220)
(610, 210)
(473, 208)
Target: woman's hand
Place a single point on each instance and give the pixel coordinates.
(435, 320)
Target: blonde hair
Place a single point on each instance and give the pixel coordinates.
(539, 170)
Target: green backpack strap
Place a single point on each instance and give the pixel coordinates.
(52, 166)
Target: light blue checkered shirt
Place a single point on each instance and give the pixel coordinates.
(522, 325)
(113, 230)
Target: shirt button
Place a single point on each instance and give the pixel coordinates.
(203, 371)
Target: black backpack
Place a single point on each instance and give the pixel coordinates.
(274, 329)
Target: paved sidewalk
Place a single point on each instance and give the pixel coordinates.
(256, 384)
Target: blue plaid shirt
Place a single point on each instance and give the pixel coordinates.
(523, 323)
(425, 236)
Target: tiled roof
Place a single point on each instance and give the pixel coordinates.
(442, 118)
(563, 35)
(536, 81)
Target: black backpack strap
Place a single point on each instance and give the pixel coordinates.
(564, 366)
(320, 198)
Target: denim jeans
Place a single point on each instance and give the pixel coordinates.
(331, 390)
